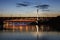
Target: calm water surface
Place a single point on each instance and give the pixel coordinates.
(29, 35)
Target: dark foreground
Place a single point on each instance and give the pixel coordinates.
(29, 36)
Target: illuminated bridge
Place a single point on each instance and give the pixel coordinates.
(23, 23)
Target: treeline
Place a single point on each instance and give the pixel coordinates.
(53, 23)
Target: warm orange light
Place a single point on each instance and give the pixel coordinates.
(26, 28)
(21, 28)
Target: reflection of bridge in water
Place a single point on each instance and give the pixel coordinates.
(23, 24)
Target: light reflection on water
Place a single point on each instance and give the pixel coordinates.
(29, 35)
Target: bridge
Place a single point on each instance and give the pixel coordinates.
(22, 23)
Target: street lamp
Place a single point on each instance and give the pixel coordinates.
(37, 20)
(44, 8)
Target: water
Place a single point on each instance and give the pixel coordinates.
(32, 33)
(29, 35)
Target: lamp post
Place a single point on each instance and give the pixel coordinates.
(44, 7)
(37, 21)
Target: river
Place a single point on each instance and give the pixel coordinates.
(29, 35)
